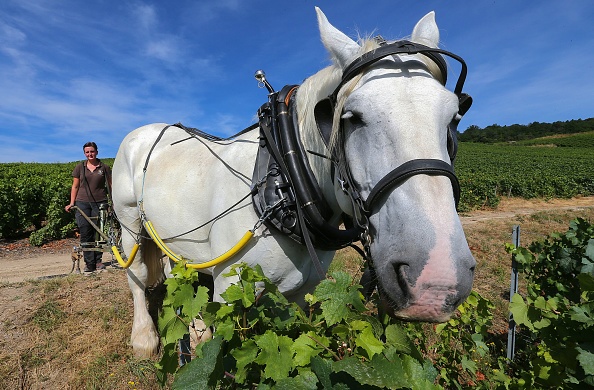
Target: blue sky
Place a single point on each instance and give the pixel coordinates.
(77, 71)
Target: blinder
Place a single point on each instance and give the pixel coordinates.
(324, 115)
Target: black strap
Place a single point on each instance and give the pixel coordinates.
(193, 132)
(148, 157)
(403, 47)
(408, 169)
(305, 231)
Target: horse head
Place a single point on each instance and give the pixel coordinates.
(391, 118)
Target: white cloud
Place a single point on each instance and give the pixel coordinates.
(146, 15)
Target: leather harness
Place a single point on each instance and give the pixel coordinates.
(287, 194)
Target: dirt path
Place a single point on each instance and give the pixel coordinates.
(510, 207)
(19, 261)
(21, 269)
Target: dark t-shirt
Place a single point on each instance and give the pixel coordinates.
(93, 185)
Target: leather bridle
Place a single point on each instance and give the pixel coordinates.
(324, 114)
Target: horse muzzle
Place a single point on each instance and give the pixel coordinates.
(432, 296)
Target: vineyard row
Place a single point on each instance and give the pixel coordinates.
(33, 195)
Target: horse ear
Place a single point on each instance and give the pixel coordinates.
(342, 48)
(426, 31)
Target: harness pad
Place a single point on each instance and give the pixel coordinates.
(273, 197)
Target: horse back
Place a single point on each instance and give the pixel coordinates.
(180, 180)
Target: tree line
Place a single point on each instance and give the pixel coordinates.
(496, 133)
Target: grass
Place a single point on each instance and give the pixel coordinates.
(71, 333)
(48, 316)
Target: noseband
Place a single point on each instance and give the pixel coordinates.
(324, 114)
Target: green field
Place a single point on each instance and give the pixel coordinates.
(487, 171)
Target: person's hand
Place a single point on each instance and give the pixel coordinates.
(68, 207)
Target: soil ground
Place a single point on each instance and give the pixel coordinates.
(20, 261)
(71, 331)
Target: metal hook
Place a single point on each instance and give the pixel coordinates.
(262, 82)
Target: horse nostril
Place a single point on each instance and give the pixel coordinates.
(400, 270)
(453, 301)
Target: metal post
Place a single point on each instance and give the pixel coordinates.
(513, 289)
(184, 353)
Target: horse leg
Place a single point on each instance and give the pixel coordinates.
(145, 271)
(199, 333)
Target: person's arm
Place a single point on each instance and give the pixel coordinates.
(109, 187)
(73, 193)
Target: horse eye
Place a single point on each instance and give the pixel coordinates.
(352, 117)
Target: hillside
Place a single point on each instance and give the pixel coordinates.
(496, 133)
(578, 140)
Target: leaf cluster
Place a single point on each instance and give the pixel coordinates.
(262, 341)
(462, 348)
(558, 309)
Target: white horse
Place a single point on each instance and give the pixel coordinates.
(392, 111)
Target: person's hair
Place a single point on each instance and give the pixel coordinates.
(89, 144)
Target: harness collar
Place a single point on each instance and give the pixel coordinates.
(293, 190)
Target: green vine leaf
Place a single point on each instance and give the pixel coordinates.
(183, 295)
(468, 364)
(381, 372)
(244, 356)
(589, 252)
(366, 339)
(420, 376)
(168, 363)
(338, 296)
(226, 330)
(586, 281)
(203, 372)
(308, 345)
(305, 380)
(586, 358)
(275, 354)
(172, 328)
(582, 314)
(519, 310)
(233, 294)
(193, 306)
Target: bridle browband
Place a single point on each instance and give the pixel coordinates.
(403, 47)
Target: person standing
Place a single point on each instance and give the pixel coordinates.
(91, 184)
